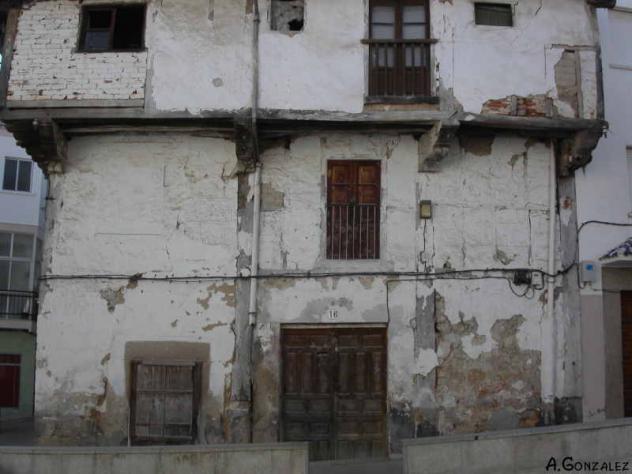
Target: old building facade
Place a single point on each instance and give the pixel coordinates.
(349, 222)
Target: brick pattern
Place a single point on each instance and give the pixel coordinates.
(45, 66)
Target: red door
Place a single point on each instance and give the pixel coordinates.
(9, 380)
(626, 327)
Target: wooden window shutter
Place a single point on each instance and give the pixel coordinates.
(353, 210)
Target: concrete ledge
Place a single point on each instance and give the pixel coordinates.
(74, 103)
(278, 458)
(521, 451)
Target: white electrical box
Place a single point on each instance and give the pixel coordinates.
(588, 272)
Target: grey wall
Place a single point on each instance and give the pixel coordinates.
(523, 451)
(281, 458)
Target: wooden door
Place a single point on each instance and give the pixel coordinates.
(334, 391)
(626, 327)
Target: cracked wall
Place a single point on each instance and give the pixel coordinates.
(465, 355)
(205, 47)
(156, 205)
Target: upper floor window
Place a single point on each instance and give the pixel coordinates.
(287, 16)
(399, 49)
(493, 14)
(17, 175)
(353, 210)
(112, 28)
(16, 257)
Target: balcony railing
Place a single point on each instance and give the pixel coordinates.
(353, 231)
(399, 69)
(20, 305)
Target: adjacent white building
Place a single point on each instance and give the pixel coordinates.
(604, 193)
(22, 202)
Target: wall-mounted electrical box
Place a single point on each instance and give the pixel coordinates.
(588, 271)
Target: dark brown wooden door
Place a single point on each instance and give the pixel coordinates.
(626, 326)
(334, 391)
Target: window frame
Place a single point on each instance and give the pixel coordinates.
(377, 238)
(11, 259)
(18, 160)
(398, 4)
(493, 4)
(427, 93)
(113, 7)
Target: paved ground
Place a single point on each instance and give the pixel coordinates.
(22, 434)
(393, 466)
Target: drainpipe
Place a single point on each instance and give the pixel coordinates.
(549, 327)
(254, 270)
(256, 210)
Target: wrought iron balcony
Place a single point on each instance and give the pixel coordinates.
(18, 309)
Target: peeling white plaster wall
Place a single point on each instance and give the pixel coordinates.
(198, 61)
(165, 205)
(489, 211)
(153, 204)
(485, 62)
(199, 56)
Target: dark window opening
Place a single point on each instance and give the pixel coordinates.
(353, 210)
(287, 15)
(493, 14)
(399, 44)
(115, 28)
(17, 175)
(10, 380)
(165, 402)
(3, 29)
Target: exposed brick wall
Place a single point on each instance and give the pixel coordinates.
(45, 66)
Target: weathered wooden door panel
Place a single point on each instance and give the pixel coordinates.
(165, 403)
(334, 391)
(626, 328)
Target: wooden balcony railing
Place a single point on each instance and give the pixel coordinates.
(353, 231)
(399, 69)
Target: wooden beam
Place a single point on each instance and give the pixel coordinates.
(11, 29)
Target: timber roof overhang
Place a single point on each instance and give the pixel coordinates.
(44, 132)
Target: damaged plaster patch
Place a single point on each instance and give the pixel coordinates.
(502, 257)
(113, 297)
(210, 327)
(566, 80)
(319, 307)
(479, 145)
(106, 358)
(287, 16)
(538, 105)
(499, 389)
(227, 291)
(279, 283)
(271, 199)
(425, 362)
